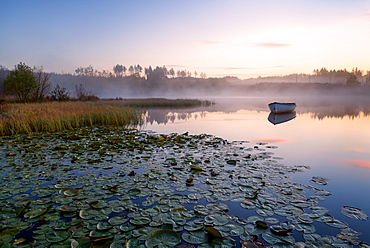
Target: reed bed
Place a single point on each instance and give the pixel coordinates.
(57, 116)
(161, 103)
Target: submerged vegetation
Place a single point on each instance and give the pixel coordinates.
(59, 116)
(114, 187)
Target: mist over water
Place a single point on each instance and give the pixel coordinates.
(316, 107)
(329, 134)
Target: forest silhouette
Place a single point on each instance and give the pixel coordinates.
(136, 81)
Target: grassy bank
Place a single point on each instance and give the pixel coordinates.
(58, 116)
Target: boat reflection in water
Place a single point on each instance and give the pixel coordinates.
(281, 118)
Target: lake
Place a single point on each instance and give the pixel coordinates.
(212, 176)
(329, 135)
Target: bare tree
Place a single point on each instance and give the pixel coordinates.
(83, 95)
(59, 94)
(43, 83)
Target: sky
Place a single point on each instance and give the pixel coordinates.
(220, 38)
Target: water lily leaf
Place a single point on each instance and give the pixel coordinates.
(98, 204)
(57, 236)
(135, 243)
(213, 232)
(354, 213)
(7, 234)
(319, 180)
(254, 219)
(140, 221)
(163, 238)
(201, 209)
(194, 226)
(337, 223)
(197, 237)
(22, 225)
(35, 213)
(151, 212)
(231, 162)
(306, 228)
(261, 224)
(68, 209)
(99, 233)
(88, 213)
(24, 202)
(279, 230)
(101, 226)
(318, 210)
(127, 227)
(195, 168)
(275, 239)
(69, 192)
(118, 209)
(134, 191)
(117, 220)
(235, 230)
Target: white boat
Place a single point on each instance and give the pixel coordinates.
(281, 118)
(282, 107)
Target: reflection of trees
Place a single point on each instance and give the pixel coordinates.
(164, 116)
(338, 108)
(318, 108)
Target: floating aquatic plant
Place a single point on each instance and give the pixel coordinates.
(114, 187)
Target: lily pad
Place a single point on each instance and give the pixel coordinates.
(354, 213)
(35, 213)
(197, 237)
(163, 238)
(140, 221)
(213, 232)
(117, 220)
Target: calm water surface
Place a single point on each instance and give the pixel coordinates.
(332, 136)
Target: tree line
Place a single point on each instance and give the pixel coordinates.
(32, 84)
(137, 71)
(26, 84)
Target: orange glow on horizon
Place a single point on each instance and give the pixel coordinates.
(362, 150)
(358, 163)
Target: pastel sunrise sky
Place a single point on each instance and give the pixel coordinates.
(238, 38)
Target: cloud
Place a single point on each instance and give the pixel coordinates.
(209, 42)
(358, 149)
(357, 163)
(272, 44)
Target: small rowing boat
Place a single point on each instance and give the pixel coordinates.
(282, 107)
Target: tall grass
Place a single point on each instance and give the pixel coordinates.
(161, 103)
(58, 116)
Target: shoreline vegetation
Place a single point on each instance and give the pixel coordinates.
(27, 118)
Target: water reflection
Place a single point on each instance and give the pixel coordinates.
(357, 163)
(329, 135)
(317, 108)
(164, 116)
(281, 118)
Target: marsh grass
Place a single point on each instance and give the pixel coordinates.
(58, 116)
(161, 103)
(51, 117)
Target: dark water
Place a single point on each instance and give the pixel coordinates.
(330, 135)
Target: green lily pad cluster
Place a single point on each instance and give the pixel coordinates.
(113, 187)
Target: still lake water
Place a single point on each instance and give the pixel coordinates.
(332, 136)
